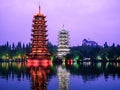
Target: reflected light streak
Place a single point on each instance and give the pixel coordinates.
(70, 62)
(44, 63)
(63, 78)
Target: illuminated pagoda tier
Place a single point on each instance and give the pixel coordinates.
(39, 38)
(63, 43)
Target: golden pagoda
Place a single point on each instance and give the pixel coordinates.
(39, 39)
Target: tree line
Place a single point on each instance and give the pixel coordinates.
(18, 51)
(21, 51)
(97, 52)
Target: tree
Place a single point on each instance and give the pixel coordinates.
(105, 45)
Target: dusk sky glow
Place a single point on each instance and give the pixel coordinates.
(98, 20)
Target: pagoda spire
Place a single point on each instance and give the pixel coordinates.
(39, 9)
(63, 26)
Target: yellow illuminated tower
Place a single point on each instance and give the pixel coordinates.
(39, 38)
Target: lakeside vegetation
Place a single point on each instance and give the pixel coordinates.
(86, 52)
(14, 52)
(83, 52)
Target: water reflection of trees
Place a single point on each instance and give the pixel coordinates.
(14, 70)
(36, 75)
(88, 71)
(91, 71)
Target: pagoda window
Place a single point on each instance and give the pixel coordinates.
(39, 51)
(40, 18)
(40, 27)
(33, 51)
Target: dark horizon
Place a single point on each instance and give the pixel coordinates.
(16, 43)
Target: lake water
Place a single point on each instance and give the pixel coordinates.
(82, 76)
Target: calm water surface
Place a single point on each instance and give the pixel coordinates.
(83, 76)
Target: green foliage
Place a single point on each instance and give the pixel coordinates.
(94, 52)
(13, 52)
(105, 52)
(52, 49)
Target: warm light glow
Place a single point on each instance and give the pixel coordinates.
(39, 39)
(44, 63)
(70, 62)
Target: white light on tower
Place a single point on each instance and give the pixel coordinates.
(63, 78)
(63, 43)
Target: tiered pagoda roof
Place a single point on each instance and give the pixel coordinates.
(63, 43)
(39, 38)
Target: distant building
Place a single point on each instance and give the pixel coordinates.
(63, 43)
(86, 42)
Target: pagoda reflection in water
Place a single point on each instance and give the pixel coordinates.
(39, 76)
(63, 78)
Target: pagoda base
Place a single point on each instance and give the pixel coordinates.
(38, 62)
(39, 57)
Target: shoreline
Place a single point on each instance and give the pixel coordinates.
(60, 61)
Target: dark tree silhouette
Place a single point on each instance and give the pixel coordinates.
(21, 51)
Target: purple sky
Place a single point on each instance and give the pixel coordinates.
(98, 20)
